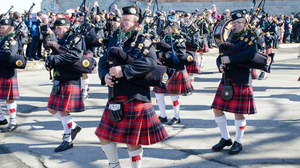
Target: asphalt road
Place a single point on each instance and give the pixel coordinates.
(272, 136)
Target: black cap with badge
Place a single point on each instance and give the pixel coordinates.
(8, 22)
(116, 19)
(62, 22)
(132, 10)
(237, 15)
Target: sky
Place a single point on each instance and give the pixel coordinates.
(20, 5)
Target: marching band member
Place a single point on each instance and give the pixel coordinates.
(239, 79)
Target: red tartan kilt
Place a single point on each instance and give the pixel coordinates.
(195, 67)
(9, 89)
(254, 74)
(205, 48)
(140, 124)
(242, 102)
(179, 84)
(269, 50)
(69, 99)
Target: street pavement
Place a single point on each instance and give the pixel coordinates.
(271, 139)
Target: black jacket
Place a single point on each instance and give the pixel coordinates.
(238, 74)
(70, 57)
(6, 54)
(138, 68)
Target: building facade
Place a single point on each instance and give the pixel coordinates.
(276, 7)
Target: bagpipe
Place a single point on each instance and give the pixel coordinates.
(260, 61)
(85, 64)
(16, 61)
(3, 15)
(159, 77)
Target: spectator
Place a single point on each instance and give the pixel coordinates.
(226, 15)
(35, 32)
(46, 31)
(287, 28)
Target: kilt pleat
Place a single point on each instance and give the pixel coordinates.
(9, 89)
(242, 102)
(179, 84)
(195, 67)
(69, 99)
(140, 124)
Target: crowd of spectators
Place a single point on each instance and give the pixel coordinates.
(38, 28)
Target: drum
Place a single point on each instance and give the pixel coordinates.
(222, 31)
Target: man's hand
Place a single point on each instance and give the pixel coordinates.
(108, 80)
(225, 60)
(222, 68)
(116, 72)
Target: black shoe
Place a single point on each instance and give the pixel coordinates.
(85, 97)
(222, 143)
(235, 148)
(75, 131)
(187, 94)
(4, 122)
(10, 128)
(262, 76)
(88, 89)
(163, 120)
(64, 146)
(174, 121)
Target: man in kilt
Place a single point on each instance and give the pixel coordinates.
(180, 82)
(68, 98)
(140, 124)
(243, 99)
(8, 76)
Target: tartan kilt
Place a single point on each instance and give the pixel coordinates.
(269, 50)
(179, 84)
(9, 89)
(140, 124)
(69, 99)
(195, 67)
(254, 74)
(205, 48)
(241, 103)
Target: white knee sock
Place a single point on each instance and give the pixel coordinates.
(136, 158)
(176, 105)
(111, 152)
(57, 115)
(12, 108)
(240, 126)
(67, 123)
(222, 124)
(1, 115)
(84, 85)
(201, 61)
(192, 79)
(161, 104)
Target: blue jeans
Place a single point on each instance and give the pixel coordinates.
(34, 46)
